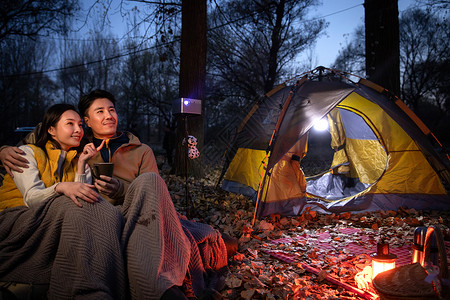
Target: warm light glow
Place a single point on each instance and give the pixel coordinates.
(321, 125)
(382, 260)
(363, 279)
(379, 266)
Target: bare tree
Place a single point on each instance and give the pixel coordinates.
(149, 84)
(254, 42)
(90, 64)
(435, 4)
(192, 82)
(26, 90)
(425, 40)
(25, 86)
(32, 17)
(352, 58)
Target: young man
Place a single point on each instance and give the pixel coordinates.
(131, 158)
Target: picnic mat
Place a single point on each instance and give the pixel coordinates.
(352, 240)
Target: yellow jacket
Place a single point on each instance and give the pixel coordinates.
(10, 196)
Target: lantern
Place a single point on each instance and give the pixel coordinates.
(382, 260)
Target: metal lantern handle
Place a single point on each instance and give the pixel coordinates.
(441, 248)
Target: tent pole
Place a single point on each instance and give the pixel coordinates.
(259, 188)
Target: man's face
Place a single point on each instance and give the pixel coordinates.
(102, 118)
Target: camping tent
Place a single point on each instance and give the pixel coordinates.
(383, 155)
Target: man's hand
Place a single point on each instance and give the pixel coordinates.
(107, 185)
(13, 160)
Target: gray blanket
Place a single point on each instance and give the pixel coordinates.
(156, 249)
(55, 244)
(105, 252)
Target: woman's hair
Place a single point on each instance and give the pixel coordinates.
(51, 118)
(86, 100)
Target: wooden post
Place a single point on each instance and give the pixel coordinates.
(382, 43)
(192, 82)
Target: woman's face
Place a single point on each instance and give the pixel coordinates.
(102, 118)
(68, 131)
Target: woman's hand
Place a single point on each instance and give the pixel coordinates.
(78, 191)
(88, 152)
(107, 185)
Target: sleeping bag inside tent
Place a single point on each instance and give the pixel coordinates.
(382, 156)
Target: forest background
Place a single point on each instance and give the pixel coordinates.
(48, 56)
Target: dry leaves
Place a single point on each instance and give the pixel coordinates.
(255, 274)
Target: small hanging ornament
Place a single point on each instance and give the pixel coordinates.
(192, 141)
(193, 152)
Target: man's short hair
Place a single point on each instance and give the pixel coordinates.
(86, 100)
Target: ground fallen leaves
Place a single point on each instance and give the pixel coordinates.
(255, 274)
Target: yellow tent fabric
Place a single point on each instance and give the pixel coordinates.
(407, 171)
(287, 180)
(246, 167)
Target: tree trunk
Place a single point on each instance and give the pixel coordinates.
(275, 48)
(192, 83)
(382, 43)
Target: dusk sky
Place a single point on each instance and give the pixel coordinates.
(343, 17)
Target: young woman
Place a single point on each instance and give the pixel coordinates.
(55, 168)
(67, 242)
